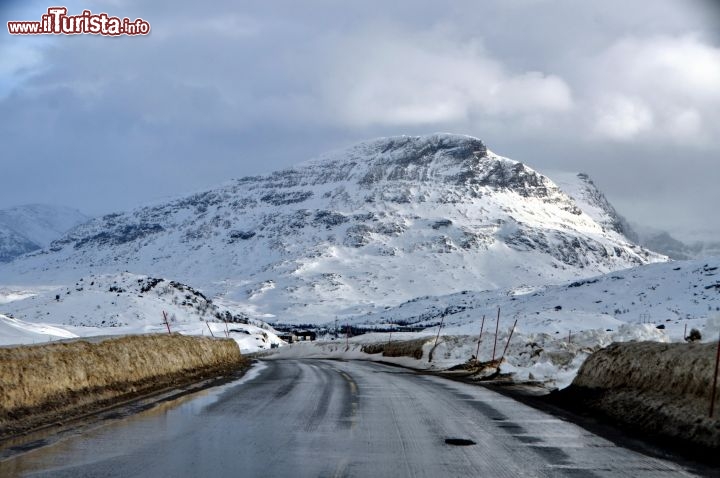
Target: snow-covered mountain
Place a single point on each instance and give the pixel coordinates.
(356, 230)
(28, 228)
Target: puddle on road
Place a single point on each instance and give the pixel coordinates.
(110, 437)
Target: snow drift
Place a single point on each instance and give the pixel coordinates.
(663, 389)
(65, 379)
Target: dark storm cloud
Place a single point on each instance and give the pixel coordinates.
(626, 92)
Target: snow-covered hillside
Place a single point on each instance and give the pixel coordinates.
(27, 228)
(593, 202)
(354, 231)
(122, 304)
(669, 295)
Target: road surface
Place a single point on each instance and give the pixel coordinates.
(319, 418)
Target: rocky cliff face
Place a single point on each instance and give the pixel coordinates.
(356, 230)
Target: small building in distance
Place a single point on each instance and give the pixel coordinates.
(288, 337)
(305, 335)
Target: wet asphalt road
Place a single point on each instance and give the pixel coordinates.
(330, 419)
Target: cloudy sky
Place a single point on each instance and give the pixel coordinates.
(628, 92)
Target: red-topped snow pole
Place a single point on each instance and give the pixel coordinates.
(438, 332)
(166, 322)
(508, 342)
(482, 326)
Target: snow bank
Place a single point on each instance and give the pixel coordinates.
(663, 389)
(14, 331)
(68, 378)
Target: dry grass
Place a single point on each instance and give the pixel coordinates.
(404, 348)
(61, 379)
(371, 349)
(663, 389)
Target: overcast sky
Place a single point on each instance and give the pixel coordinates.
(628, 92)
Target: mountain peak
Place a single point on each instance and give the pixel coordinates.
(410, 148)
(398, 158)
(441, 158)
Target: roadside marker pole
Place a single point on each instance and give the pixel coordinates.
(497, 327)
(508, 342)
(438, 334)
(569, 336)
(211, 332)
(436, 339)
(165, 321)
(715, 377)
(685, 333)
(347, 336)
(477, 352)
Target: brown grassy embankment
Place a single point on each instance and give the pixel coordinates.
(661, 389)
(404, 348)
(40, 384)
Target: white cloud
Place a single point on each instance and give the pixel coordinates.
(661, 65)
(667, 88)
(622, 118)
(394, 79)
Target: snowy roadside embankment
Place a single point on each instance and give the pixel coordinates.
(662, 389)
(541, 358)
(124, 304)
(63, 379)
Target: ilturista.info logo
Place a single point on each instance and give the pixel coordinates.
(57, 22)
